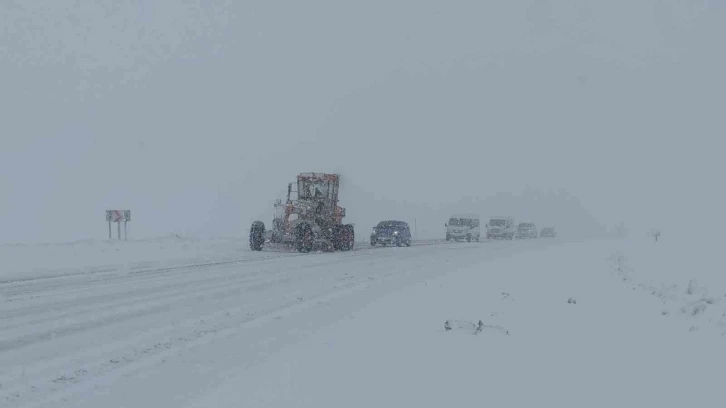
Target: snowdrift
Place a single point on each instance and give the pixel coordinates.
(683, 279)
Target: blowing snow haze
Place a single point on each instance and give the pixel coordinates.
(195, 116)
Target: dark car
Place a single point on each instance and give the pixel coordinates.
(548, 232)
(526, 230)
(391, 232)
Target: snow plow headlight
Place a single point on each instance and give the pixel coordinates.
(395, 232)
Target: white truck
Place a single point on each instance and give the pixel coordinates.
(463, 227)
(501, 228)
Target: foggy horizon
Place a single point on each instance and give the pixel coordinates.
(195, 117)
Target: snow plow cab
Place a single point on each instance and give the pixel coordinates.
(314, 220)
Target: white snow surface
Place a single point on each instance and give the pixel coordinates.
(207, 323)
(33, 261)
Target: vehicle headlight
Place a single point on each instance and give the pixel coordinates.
(395, 232)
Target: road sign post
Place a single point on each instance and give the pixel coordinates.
(117, 216)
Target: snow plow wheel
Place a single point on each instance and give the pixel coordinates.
(349, 237)
(345, 237)
(303, 238)
(257, 235)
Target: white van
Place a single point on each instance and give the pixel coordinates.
(463, 227)
(500, 228)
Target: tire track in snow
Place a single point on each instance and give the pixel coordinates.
(128, 303)
(179, 313)
(37, 366)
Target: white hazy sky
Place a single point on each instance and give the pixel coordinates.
(195, 115)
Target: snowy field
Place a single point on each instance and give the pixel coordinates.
(212, 324)
(682, 277)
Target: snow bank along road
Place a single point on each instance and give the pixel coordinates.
(67, 338)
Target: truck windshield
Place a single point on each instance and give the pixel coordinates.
(464, 222)
(312, 188)
(391, 225)
(498, 223)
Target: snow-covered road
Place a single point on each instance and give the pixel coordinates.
(68, 337)
(598, 324)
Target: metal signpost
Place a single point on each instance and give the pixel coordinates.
(117, 216)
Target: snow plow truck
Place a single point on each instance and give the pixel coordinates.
(313, 221)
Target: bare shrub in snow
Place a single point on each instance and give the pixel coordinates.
(698, 309)
(459, 325)
(481, 326)
(472, 327)
(655, 233)
(572, 301)
(694, 289)
(506, 296)
(694, 309)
